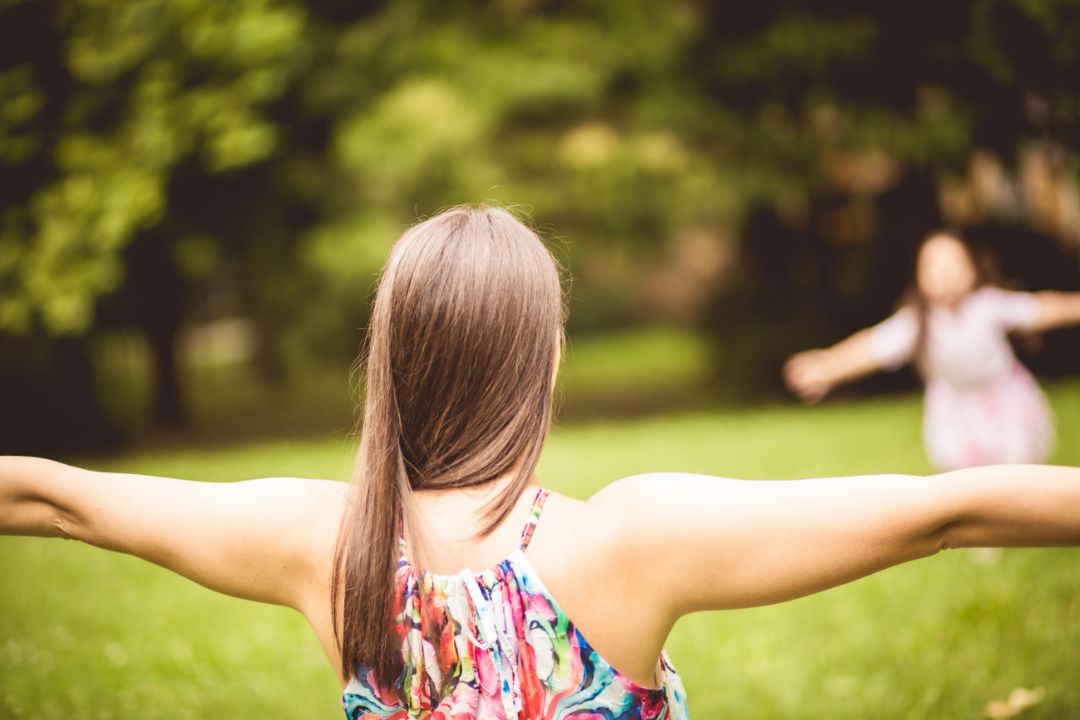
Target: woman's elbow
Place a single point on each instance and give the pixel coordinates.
(64, 525)
(949, 536)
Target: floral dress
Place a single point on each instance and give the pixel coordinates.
(495, 645)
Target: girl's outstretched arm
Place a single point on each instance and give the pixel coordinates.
(1057, 309)
(701, 542)
(814, 373)
(257, 539)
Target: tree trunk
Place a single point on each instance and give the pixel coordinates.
(51, 404)
(159, 294)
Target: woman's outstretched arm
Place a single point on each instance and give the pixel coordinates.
(703, 542)
(256, 539)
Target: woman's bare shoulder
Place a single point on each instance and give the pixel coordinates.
(595, 531)
(586, 545)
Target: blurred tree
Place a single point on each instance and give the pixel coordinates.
(106, 104)
(151, 148)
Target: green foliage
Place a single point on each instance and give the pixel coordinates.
(797, 43)
(154, 82)
(620, 124)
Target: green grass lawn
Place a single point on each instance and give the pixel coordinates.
(91, 634)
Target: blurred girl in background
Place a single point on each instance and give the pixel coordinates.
(982, 406)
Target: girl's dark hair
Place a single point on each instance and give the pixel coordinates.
(985, 274)
(461, 358)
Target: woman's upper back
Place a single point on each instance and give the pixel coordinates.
(498, 644)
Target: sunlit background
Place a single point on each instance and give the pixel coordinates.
(196, 198)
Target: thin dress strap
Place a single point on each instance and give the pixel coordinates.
(534, 517)
(526, 532)
(402, 549)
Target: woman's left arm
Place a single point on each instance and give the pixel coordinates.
(1057, 309)
(263, 539)
(709, 543)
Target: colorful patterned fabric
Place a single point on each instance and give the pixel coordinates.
(495, 645)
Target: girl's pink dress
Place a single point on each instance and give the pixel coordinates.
(982, 406)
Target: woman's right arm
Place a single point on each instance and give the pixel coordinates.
(26, 486)
(264, 539)
(703, 542)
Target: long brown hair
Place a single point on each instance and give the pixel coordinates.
(461, 359)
